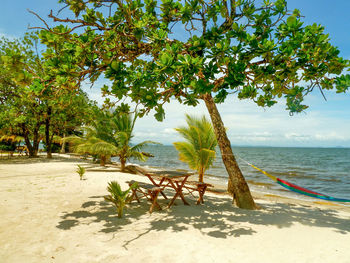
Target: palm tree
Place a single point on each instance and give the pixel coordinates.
(110, 135)
(124, 126)
(97, 139)
(9, 142)
(198, 151)
(11, 138)
(119, 197)
(90, 144)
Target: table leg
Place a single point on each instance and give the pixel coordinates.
(201, 191)
(154, 195)
(158, 185)
(134, 195)
(178, 189)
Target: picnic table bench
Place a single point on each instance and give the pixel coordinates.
(200, 187)
(175, 180)
(149, 191)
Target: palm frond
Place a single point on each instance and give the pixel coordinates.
(199, 148)
(11, 138)
(138, 155)
(187, 154)
(139, 146)
(206, 158)
(116, 191)
(73, 139)
(103, 148)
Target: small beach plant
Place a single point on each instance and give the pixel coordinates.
(198, 151)
(119, 197)
(81, 171)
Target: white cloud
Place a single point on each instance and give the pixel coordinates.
(331, 136)
(169, 131)
(324, 124)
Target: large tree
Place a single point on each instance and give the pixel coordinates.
(38, 102)
(22, 109)
(192, 50)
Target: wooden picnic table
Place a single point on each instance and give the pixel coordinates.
(172, 179)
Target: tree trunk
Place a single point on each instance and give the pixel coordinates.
(238, 185)
(48, 138)
(122, 164)
(36, 140)
(201, 175)
(32, 148)
(120, 210)
(29, 146)
(103, 160)
(63, 147)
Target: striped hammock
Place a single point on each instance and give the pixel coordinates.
(298, 189)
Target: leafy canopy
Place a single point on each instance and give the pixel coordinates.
(32, 92)
(152, 51)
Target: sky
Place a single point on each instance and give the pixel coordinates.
(324, 124)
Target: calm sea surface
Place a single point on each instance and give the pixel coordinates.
(324, 170)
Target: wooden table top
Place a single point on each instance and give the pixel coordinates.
(170, 173)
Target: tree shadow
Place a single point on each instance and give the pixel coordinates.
(102, 170)
(39, 159)
(216, 217)
(98, 210)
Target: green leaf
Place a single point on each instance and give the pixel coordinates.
(160, 113)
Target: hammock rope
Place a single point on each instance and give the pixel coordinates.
(295, 188)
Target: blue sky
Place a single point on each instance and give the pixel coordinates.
(325, 124)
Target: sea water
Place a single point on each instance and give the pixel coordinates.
(324, 170)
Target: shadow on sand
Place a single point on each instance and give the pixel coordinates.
(39, 159)
(216, 218)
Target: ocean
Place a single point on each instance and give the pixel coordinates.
(324, 170)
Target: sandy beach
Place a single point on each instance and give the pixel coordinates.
(49, 215)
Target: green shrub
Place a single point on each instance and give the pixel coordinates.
(119, 197)
(81, 171)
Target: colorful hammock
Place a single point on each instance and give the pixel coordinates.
(297, 189)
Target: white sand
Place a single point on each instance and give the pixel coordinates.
(49, 215)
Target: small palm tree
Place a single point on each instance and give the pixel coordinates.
(11, 138)
(198, 151)
(124, 126)
(89, 144)
(80, 171)
(110, 135)
(119, 197)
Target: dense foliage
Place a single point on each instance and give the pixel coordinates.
(258, 50)
(33, 103)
